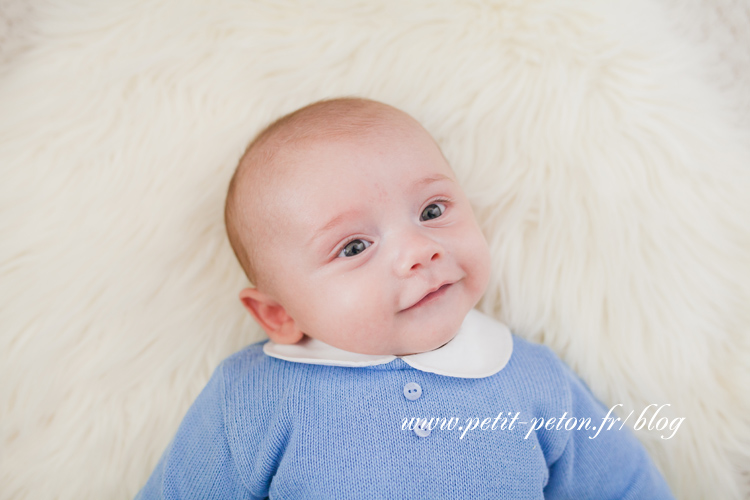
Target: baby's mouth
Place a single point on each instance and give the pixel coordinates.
(430, 296)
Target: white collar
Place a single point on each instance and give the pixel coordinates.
(482, 347)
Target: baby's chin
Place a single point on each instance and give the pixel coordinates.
(414, 338)
(432, 328)
(407, 350)
(422, 351)
(427, 345)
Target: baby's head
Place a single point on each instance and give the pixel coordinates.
(352, 228)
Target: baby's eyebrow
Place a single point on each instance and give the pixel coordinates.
(335, 221)
(426, 181)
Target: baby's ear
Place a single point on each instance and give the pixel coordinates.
(272, 317)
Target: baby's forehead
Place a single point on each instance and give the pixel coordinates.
(339, 118)
(282, 155)
(279, 153)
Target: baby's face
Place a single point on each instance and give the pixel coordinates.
(376, 249)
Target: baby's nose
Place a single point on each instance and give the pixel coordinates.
(416, 253)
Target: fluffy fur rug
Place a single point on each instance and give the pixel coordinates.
(605, 146)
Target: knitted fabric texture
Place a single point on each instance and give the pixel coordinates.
(267, 427)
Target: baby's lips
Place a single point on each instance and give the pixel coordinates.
(430, 293)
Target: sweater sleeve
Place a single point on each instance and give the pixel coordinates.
(613, 464)
(198, 462)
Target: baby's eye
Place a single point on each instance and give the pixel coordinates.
(433, 211)
(353, 248)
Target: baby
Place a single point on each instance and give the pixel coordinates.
(367, 262)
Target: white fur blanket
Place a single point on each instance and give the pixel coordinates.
(604, 144)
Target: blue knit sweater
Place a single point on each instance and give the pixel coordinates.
(268, 427)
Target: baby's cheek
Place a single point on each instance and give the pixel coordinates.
(350, 300)
(477, 255)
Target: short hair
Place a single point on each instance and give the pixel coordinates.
(330, 118)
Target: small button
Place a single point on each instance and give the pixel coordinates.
(422, 431)
(412, 391)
